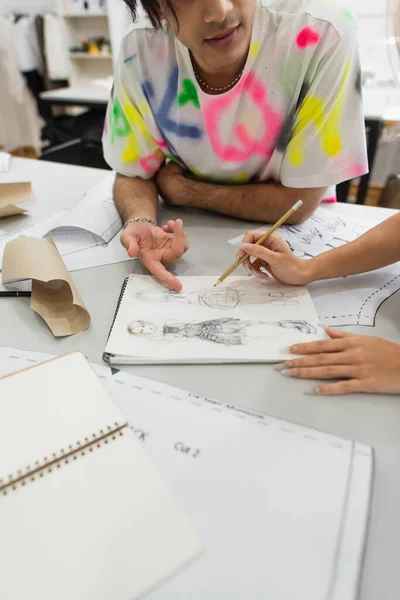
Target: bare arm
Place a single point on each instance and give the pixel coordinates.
(265, 202)
(375, 249)
(135, 197)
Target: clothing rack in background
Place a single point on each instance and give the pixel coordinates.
(34, 57)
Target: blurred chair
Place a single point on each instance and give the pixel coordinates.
(373, 129)
(390, 197)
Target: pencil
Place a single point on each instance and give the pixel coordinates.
(262, 239)
(15, 294)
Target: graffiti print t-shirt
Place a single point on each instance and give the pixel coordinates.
(295, 117)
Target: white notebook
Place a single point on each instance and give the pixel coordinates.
(242, 320)
(282, 509)
(84, 513)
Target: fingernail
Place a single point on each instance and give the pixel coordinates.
(293, 348)
(313, 392)
(279, 366)
(287, 364)
(243, 246)
(264, 271)
(287, 372)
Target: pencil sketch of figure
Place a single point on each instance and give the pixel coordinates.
(223, 298)
(299, 253)
(226, 331)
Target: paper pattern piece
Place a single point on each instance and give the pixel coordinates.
(282, 510)
(11, 194)
(345, 301)
(244, 320)
(88, 235)
(94, 519)
(95, 213)
(54, 295)
(5, 159)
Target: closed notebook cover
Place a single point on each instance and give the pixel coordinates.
(83, 512)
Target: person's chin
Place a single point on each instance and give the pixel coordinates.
(220, 57)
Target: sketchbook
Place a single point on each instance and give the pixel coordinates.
(243, 320)
(88, 235)
(83, 511)
(282, 509)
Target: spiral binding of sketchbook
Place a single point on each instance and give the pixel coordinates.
(106, 355)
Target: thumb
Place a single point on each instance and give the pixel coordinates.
(338, 334)
(133, 248)
(259, 251)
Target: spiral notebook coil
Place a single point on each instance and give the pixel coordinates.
(107, 355)
(58, 459)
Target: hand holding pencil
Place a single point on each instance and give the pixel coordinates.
(261, 240)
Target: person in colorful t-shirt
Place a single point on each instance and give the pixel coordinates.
(235, 107)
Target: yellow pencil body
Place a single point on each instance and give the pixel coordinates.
(262, 239)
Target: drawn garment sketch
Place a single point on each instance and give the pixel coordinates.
(88, 235)
(222, 298)
(260, 320)
(227, 331)
(346, 301)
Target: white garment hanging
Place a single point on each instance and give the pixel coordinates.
(26, 44)
(19, 120)
(56, 46)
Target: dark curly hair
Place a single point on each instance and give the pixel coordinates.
(153, 10)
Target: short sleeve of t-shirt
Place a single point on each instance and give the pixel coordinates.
(129, 146)
(327, 144)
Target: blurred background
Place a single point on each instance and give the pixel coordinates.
(56, 71)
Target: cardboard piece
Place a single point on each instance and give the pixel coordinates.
(54, 295)
(10, 194)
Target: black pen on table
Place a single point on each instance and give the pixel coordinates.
(15, 294)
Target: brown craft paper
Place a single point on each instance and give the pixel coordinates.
(10, 194)
(54, 295)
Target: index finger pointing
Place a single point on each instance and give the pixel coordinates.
(161, 273)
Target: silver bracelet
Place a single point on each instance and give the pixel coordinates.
(139, 220)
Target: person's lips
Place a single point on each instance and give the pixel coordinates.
(223, 40)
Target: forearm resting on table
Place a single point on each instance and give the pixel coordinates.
(377, 248)
(264, 202)
(135, 197)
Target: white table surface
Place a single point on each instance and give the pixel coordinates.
(369, 419)
(85, 93)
